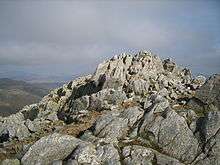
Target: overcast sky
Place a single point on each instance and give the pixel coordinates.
(68, 38)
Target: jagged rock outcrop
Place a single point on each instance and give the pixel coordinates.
(133, 110)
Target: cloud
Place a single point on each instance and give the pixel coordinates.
(77, 35)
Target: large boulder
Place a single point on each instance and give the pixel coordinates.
(50, 148)
(85, 153)
(13, 127)
(116, 124)
(108, 154)
(169, 132)
(111, 126)
(209, 93)
(208, 131)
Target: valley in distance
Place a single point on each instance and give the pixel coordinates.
(15, 94)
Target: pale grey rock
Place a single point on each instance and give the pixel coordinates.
(108, 154)
(196, 105)
(161, 106)
(106, 98)
(152, 65)
(145, 53)
(163, 80)
(30, 125)
(89, 137)
(10, 162)
(37, 124)
(115, 125)
(81, 103)
(171, 133)
(72, 162)
(190, 117)
(111, 126)
(211, 148)
(133, 114)
(133, 133)
(100, 70)
(85, 153)
(128, 60)
(188, 114)
(173, 95)
(147, 103)
(118, 72)
(163, 92)
(112, 73)
(198, 81)
(156, 103)
(14, 126)
(209, 93)
(139, 86)
(50, 107)
(174, 137)
(23, 151)
(212, 124)
(52, 117)
(187, 79)
(30, 111)
(113, 83)
(137, 155)
(208, 133)
(162, 159)
(135, 68)
(57, 162)
(50, 148)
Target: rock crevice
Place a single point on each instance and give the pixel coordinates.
(135, 109)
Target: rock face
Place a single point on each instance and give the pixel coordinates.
(209, 92)
(133, 110)
(50, 148)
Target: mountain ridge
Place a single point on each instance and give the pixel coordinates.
(135, 109)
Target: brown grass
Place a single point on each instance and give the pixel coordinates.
(128, 104)
(86, 122)
(74, 129)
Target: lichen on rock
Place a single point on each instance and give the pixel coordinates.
(135, 109)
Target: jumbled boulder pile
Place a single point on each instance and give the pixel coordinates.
(135, 109)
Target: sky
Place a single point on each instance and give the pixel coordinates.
(68, 38)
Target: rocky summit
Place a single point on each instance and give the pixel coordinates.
(134, 110)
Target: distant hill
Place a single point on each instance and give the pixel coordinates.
(16, 94)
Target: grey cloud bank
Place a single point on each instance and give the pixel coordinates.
(68, 38)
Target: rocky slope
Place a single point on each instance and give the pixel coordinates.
(132, 110)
